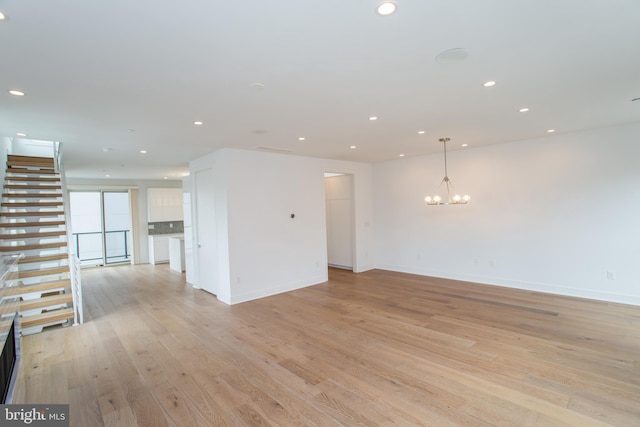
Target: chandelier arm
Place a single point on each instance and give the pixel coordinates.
(450, 189)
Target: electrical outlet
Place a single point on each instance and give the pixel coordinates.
(611, 275)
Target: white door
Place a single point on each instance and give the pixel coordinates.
(205, 239)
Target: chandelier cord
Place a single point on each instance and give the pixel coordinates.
(446, 175)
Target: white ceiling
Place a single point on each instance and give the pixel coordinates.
(130, 75)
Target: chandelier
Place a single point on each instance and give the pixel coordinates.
(445, 198)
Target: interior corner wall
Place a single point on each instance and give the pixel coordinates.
(269, 251)
(558, 214)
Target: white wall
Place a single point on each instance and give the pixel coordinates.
(5, 150)
(32, 147)
(268, 251)
(553, 214)
(142, 185)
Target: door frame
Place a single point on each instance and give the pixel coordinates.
(327, 174)
(134, 222)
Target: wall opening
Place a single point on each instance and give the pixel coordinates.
(338, 190)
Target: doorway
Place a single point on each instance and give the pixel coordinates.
(338, 189)
(101, 226)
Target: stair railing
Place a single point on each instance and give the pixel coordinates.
(74, 262)
(76, 289)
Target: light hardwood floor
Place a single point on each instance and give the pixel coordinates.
(376, 348)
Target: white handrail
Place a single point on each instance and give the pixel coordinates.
(76, 289)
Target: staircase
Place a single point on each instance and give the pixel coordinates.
(32, 223)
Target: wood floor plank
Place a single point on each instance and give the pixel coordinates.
(375, 348)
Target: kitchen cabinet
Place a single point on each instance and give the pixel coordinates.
(159, 248)
(164, 204)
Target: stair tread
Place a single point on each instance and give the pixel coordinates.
(23, 158)
(21, 236)
(32, 187)
(39, 287)
(32, 259)
(32, 179)
(45, 301)
(47, 317)
(39, 213)
(20, 248)
(31, 166)
(30, 204)
(35, 273)
(31, 195)
(31, 224)
(27, 171)
(13, 205)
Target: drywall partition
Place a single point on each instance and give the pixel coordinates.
(277, 223)
(270, 209)
(557, 214)
(211, 258)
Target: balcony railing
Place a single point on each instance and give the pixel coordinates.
(95, 246)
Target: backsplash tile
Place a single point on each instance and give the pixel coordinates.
(166, 227)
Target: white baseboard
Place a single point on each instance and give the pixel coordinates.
(262, 293)
(520, 284)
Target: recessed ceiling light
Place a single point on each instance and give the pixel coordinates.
(108, 176)
(551, 131)
(131, 130)
(16, 92)
(420, 132)
(353, 147)
(2, 17)
(143, 151)
(464, 145)
(302, 138)
(107, 149)
(166, 177)
(256, 86)
(198, 123)
(372, 118)
(523, 110)
(489, 83)
(21, 134)
(386, 8)
(401, 155)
